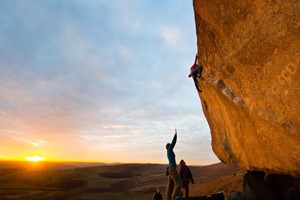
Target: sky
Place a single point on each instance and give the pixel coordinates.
(100, 81)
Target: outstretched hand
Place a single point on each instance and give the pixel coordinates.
(196, 58)
(175, 131)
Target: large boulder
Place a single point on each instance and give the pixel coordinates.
(250, 96)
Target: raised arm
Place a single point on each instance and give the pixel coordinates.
(173, 141)
(196, 58)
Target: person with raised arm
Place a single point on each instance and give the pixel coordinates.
(173, 178)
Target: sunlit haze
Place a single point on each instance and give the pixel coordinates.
(100, 80)
(35, 158)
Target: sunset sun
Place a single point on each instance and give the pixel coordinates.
(35, 158)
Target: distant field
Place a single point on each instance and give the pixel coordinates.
(106, 182)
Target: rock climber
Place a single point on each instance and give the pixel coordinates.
(196, 72)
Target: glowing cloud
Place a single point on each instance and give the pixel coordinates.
(171, 35)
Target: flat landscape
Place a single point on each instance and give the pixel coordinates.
(91, 181)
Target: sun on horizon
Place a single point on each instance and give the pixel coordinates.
(35, 158)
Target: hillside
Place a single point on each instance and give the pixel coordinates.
(106, 182)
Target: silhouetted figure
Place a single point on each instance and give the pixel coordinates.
(196, 72)
(170, 187)
(186, 177)
(157, 195)
(174, 181)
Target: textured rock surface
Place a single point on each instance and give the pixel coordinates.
(251, 55)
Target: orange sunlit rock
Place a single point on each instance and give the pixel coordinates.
(250, 94)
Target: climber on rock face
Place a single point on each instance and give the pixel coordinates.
(196, 72)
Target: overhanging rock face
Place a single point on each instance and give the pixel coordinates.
(251, 89)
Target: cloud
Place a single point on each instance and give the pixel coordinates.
(35, 143)
(2, 112)
(97, 76)
(172, 36)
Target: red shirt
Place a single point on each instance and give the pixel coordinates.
(193, 67)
